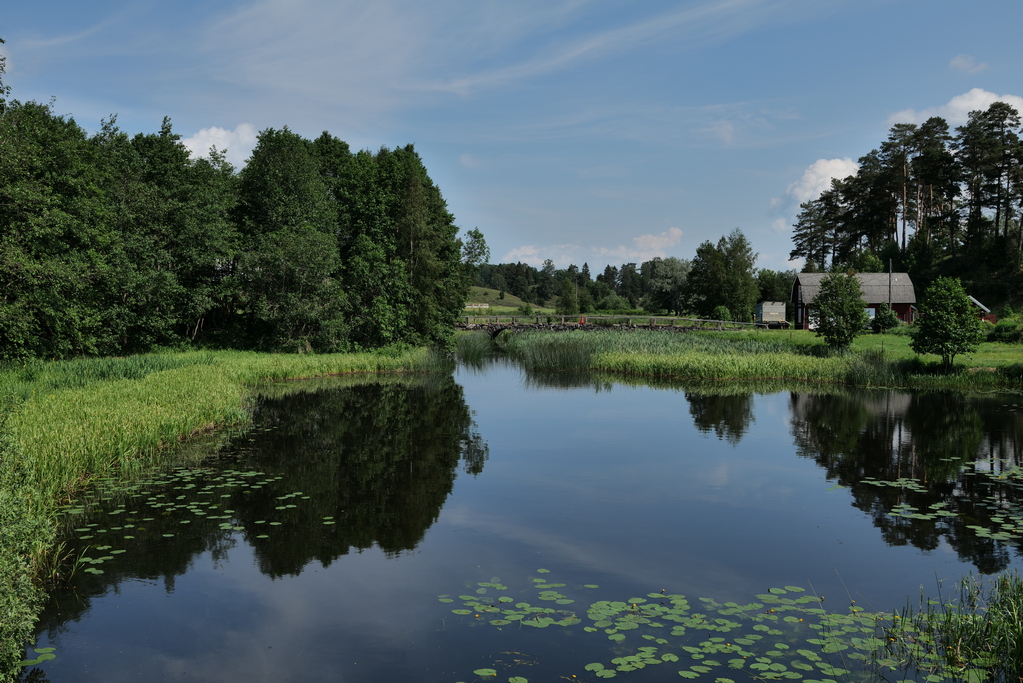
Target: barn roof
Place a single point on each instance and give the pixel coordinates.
(874, 286)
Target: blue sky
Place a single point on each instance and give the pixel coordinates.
(581, 131)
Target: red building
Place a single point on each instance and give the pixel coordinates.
(894, 288)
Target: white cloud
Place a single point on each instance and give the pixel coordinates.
(659, 242)
(468, 161)
(817, 178)
(239, 142)
(527, 254)
(643, 248)
(967, 63)
(956, 111)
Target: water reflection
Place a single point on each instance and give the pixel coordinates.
(340, 469)
(941, 440)
(728, 416)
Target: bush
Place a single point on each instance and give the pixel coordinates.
(885, 320)
(1006, 330)
(721, 313)
(613, 302)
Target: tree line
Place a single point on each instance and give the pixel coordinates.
(932, 201)
(720, 282)
(113, 244)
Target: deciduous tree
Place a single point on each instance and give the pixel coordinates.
(839, 310)
(949, 324)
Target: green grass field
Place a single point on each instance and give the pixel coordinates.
(506, 306)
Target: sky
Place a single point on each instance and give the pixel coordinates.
(575, 130)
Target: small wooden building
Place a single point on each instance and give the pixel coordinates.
(894, 288)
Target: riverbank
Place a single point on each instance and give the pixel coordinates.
(63, 424)
(873, 360)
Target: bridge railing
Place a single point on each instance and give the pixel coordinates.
(609, 321)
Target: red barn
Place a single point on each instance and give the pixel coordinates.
(894, 288)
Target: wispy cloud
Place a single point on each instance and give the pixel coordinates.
(956, 111)
(967, 64)
(699, 25)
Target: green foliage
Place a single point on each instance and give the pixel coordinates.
(568, 304)
(668, 284)
(838, 310)
(721, 313)
(722, 275)
(885, 319)
(1006, 330)
(114, 244)
(949, 324)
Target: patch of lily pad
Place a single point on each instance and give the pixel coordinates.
(785, 633)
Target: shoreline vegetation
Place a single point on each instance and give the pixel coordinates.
(873, 360)
(66, 423)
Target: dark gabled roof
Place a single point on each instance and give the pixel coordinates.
(874, 286)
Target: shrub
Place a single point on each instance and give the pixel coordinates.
(721, 313)
(885, 320)
(1006, 330)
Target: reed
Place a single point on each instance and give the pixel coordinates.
(472, 348)
(748, 356)
(976, 635)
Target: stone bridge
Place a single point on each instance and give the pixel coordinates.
(495, 325)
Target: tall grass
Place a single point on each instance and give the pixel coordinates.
(974, 636)
(24, 537)
(746, 356)
(472, 348)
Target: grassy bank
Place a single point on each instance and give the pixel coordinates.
(66, 423)
(873, 360)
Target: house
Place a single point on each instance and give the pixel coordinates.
(894, 288)
(983, 312)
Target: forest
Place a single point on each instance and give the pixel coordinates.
(720, 282)
(931, 202)
(113, 243)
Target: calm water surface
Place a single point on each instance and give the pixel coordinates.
(316, 546)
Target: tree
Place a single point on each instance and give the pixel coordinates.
(948, 325)
(722, 275)
(839, 310)
(568, 304)
(668, 285)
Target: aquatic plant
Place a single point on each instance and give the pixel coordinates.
(783, 634)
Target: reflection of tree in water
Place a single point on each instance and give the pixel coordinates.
(933, 438)
(728, 416)
(378, 458)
